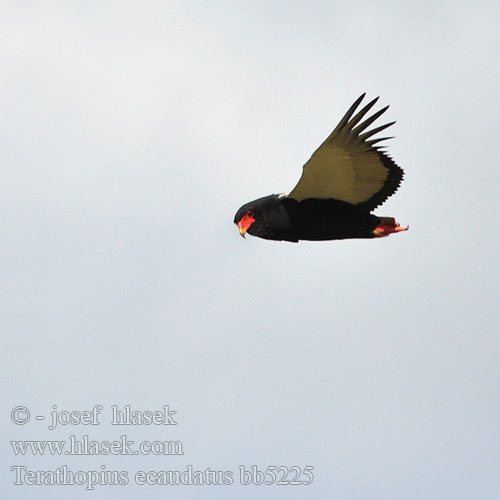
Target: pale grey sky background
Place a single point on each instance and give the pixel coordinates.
(131, 132)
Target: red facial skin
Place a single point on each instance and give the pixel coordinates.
(245, 223)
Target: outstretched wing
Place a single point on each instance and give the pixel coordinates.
(348, 166)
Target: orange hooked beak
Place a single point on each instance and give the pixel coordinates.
(244, 224)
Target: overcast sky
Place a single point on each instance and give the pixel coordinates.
(131, 132)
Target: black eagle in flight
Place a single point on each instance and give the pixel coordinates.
(346, 178)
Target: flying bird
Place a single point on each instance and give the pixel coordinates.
(346, 178)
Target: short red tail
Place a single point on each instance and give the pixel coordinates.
(387, 227)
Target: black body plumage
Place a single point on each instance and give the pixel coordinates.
(285, 219)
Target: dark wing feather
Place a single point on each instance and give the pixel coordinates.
(349, 167)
